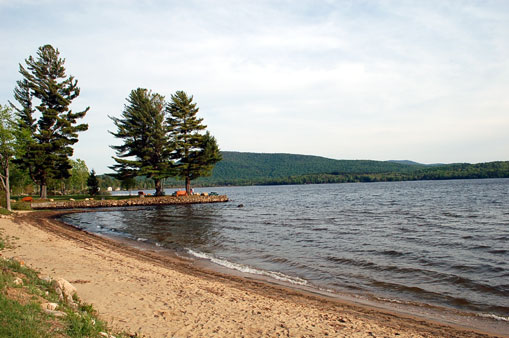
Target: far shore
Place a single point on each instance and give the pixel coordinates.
(156, 295)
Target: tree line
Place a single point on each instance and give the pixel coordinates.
(39, 130)
(223, 175)
(498, 169)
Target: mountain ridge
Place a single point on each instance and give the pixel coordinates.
(249, 168)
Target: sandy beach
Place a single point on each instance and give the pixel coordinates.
(156, 295)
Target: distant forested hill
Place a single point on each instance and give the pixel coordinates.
(237, 165)
(239, 168)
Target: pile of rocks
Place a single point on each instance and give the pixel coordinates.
(160, 200)
(66, 292)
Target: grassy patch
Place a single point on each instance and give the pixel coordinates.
(20, 205)
(18, 320)
(21, 314)
(4, 211)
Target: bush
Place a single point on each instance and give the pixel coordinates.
(21, 206)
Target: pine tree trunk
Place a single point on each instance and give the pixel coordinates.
(188, 185)
(7, 188)
(159, 187)
(44, 194)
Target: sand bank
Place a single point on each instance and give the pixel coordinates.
(162, 296)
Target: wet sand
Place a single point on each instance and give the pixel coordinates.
(158, 295)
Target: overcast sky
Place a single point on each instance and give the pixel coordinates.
(420, 80)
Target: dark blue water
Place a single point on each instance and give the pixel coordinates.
(443, 243)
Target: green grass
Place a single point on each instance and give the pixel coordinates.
(4, 211)
(18, 320)
(20, 307)
(20, 205)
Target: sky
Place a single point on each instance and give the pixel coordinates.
(426, 81)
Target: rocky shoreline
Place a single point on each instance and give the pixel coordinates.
(135, 201)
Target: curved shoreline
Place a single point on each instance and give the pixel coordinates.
(298, 312)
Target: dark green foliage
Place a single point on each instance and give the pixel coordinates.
(20, 205)
(128, 183)
(20, 180)
(93, 183)
(255, 168)
(46, 142)
(237, 166)
(207, 157)
(160, 143)
(109, 180)
(273, 169)
(192, 159)
(146, 149)
(7, 150)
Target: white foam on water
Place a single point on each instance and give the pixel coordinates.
(247, 269)
(390, 300)
(141, 239)
(492, 316)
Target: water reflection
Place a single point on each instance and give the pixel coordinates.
(174, 227)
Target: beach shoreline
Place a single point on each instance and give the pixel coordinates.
(160, 295)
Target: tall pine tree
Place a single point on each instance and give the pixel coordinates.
(194, 153)
(46, 142)
(146, 148)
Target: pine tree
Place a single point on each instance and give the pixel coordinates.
(47, 142)
(194, 153)
(146, 148)
(93, 183)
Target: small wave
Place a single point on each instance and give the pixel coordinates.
(492, 316)
(247, 269)
(451, 214)
(141, 239)
(392, 253)
(498, 251)
(390, 300)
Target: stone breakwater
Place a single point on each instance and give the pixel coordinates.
(136, 201)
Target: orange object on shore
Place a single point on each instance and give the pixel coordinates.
(27, 199)
(181, 193)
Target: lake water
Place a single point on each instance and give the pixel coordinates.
(433, 243)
